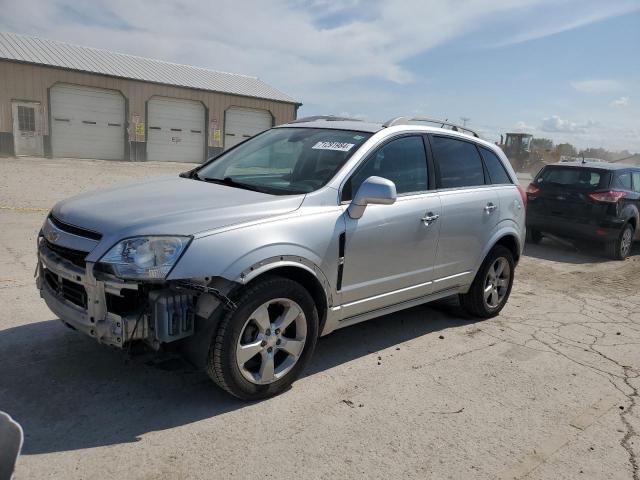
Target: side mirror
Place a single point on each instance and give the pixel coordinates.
(374, 190)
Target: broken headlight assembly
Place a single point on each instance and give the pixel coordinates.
(144, 258)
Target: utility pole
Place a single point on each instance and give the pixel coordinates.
(464, 121)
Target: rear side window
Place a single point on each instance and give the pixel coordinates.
(459, 163)
(579, 178)
(403, 161)
(623, 180)
(497, 173)
(636, 181)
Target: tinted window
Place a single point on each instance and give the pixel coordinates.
(497, 173)
(636, 181)
(403, 161)
(580, 178)
(459, 163)
(623, 180)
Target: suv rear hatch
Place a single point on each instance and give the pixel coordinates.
(564, 192)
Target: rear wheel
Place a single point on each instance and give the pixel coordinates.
(491, 288)
(534, 236)
(262, 346)
(620, 248)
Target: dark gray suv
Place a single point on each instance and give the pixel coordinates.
(591, 201)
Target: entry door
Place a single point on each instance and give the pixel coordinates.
(470, 211)
(390, 251)
(27, 128)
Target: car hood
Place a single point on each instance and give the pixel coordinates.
(169, 206)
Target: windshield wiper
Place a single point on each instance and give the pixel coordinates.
(230, 182)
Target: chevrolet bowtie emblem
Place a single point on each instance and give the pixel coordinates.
(52, 236)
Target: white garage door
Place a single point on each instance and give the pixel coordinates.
(242, 123)
(87, 122)
(175, 130)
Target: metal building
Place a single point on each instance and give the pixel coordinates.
(62, 100)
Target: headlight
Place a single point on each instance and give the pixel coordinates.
(145, 257)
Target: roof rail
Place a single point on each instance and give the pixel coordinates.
(328, 118)
(407, 120)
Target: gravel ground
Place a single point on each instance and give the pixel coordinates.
(549, 389)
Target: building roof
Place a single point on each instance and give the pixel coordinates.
(27, 49)
(354, 125)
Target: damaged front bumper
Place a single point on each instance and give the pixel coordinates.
(111, 310)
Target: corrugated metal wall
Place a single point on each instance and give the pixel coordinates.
(20, 81)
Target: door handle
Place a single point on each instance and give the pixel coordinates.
(490, 207)
(429, 218)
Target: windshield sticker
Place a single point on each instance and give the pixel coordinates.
(358, 137)
(339, 146)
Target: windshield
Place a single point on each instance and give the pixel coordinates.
(571, 177)
(285, 161)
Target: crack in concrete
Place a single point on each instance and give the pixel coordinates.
(549, 337)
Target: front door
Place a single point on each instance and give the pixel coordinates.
(27, 128)
(390, 251)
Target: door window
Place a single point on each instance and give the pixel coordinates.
(636, 181)
(26, 119)
(459, 163)
(624, 180)
(497, 173)
(403, 161)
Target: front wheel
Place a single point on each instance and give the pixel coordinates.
(491, 288)
(263, 345)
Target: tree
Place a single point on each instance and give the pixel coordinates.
(566, 149)
(542, 143)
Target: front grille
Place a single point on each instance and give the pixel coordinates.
(74, 256)
(73, 292)
(81, 232)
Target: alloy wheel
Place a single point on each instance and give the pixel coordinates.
(496, 283)
(626, 241)
(271, 341)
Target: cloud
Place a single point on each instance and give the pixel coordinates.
(523, 127)
(620, 102)
(597, 86)
(561, 16)
(334, 55)
(559, 125)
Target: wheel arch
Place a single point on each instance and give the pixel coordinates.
(299, 270)
(507, 237)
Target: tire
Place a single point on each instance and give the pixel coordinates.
(268, 300)
(534, 236)
(474, 301)
(620, 248)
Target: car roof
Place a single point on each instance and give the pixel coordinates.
(595, 165)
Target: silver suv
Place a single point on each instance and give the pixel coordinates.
(243, 262)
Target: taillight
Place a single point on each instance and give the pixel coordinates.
(612, 196)
(523, 194)
(533, 188)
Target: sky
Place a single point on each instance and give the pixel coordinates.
(568, 70)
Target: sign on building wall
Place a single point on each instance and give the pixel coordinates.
(214, 135)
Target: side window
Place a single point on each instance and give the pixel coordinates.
(403, 161)
(459, 163)
(495, 167)
(636, 181)
(623, 180)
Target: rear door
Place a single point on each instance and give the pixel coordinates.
(470, 210)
